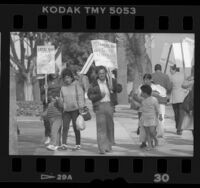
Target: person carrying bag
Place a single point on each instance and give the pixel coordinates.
(84, 112)
(72, 98)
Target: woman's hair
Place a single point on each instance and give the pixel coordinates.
(67, 72)
(158, 67)
(147, 76)
(146, 89)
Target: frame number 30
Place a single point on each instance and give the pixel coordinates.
(161, 178)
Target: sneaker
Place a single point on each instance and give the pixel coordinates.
(63, 147)
(148, 148)
(52, 147)
(47, 141)
(77, 147)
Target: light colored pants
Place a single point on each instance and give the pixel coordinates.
(162, 110)
(105, 127)
(56, 124)
(160, 128)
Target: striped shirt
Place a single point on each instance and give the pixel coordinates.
(52, 111)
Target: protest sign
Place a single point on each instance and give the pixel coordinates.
(45, 59)
(105, 53)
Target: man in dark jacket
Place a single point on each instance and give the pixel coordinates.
(104, 97)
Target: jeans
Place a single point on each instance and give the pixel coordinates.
(47, 126)
(67, 117)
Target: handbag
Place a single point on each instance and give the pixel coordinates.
(86, 114)
(187, 104)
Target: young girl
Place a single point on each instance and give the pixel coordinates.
(54, 115)
(150, 115)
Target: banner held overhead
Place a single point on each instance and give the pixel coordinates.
(105, 53)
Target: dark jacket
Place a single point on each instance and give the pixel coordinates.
(94, 93)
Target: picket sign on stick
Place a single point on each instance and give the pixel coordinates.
(168, 56)
(46, 63)
(183, 60)
(105, 53)
(46, 89)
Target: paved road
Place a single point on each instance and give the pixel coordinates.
(127, 142)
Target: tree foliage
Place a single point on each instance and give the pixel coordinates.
(76, 48)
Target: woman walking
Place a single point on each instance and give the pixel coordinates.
(177, 96)
(100, 93)
(72, 97)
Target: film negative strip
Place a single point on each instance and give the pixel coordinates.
(132, 66)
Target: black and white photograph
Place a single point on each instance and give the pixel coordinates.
(101, 94)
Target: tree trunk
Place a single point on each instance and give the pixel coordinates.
(19, 88)
(28, 89)
(143, 62)
(122, 69)
(13, 138)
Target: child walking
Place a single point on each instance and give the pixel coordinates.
(54, 115)
(150, 115)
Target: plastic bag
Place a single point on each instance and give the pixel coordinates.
(160, 129)
(80, 123)
(188, 122)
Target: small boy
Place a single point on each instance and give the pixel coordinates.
(150, 115)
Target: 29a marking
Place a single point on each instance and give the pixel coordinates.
(161, 178)
(64, 177)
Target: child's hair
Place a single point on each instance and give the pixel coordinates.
(146, 89)
(147, 76)
(67, 72)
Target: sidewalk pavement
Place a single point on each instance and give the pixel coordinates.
(127, 141)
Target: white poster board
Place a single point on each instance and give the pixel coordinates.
(45, 59)
(188, 53)
(105, 53)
